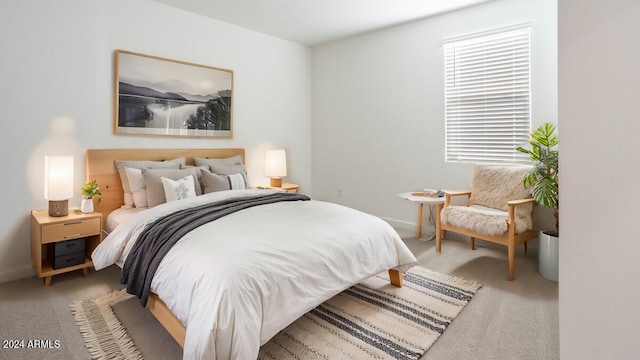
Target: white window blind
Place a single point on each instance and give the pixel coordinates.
(488, 96)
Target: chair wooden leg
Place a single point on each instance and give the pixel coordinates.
(473, 242)
(511, 261)
(439, 231)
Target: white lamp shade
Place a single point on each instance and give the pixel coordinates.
(275, 164)
(58, 177)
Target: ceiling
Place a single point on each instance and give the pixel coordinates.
(313, 22)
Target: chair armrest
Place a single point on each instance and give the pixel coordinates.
(456, 192)
(520, 201)
(512, 210)
(448, 194)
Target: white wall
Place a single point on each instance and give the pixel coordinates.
(378, 105)
(599, 88)
(57, 82)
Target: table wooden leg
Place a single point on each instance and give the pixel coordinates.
(85, 271)
(47, 280)
(419, 229)
(439, 231)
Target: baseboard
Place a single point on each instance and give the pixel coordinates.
(401, 224)
(16, 274)
(407, 228)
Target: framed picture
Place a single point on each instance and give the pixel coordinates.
(157, 96)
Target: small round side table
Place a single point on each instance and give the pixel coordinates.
(421, 200)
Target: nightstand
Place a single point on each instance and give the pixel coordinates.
(288, 187)
(63, 244)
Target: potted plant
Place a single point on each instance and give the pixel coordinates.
(543, 180)
(89, 191)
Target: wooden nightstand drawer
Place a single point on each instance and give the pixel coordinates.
(67, 247)
(63, 261)
(70, 230)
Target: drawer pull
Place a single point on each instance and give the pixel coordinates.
(73, 223)
(70, 236)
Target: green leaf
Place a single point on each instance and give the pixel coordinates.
(544, 155)
(545, 192)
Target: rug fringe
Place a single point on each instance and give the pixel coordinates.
(104, 335)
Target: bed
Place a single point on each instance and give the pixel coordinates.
(230, 285)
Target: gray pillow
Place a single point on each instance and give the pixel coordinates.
(225, 166)
(153, 183)
(139, 164)
(214, 182)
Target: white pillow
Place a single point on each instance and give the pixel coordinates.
(237, 182)
(136, 184)
(138, 164)
(178, 189)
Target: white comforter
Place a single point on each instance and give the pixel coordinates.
(237, 281)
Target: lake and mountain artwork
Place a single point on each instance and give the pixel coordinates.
(157, 96)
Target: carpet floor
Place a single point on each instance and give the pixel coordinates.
(373, 319)
(505, 320)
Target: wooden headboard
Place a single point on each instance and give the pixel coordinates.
(101, 166)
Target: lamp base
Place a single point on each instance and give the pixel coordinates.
(276, 182)
(58, 208)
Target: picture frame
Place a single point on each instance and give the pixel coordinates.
(164, 97)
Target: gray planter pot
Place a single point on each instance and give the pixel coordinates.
(548, 256)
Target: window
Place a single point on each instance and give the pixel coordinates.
(488, 96)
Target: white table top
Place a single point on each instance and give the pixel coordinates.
(422, 199)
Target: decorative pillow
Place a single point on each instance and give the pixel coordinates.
(225, 166)
(214, 182)
(139, 164)
(153, 184)
(237, 181)
(179, 189)
(137, 192)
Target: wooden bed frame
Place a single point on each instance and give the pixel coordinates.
(101, 166)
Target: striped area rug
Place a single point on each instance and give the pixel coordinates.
(372, 320)
(376, 320)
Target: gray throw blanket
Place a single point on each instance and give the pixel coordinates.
(158, 238)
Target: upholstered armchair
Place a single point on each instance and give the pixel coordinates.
(499, 209)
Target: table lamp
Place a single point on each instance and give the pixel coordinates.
(275, 166)
(58, 183)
